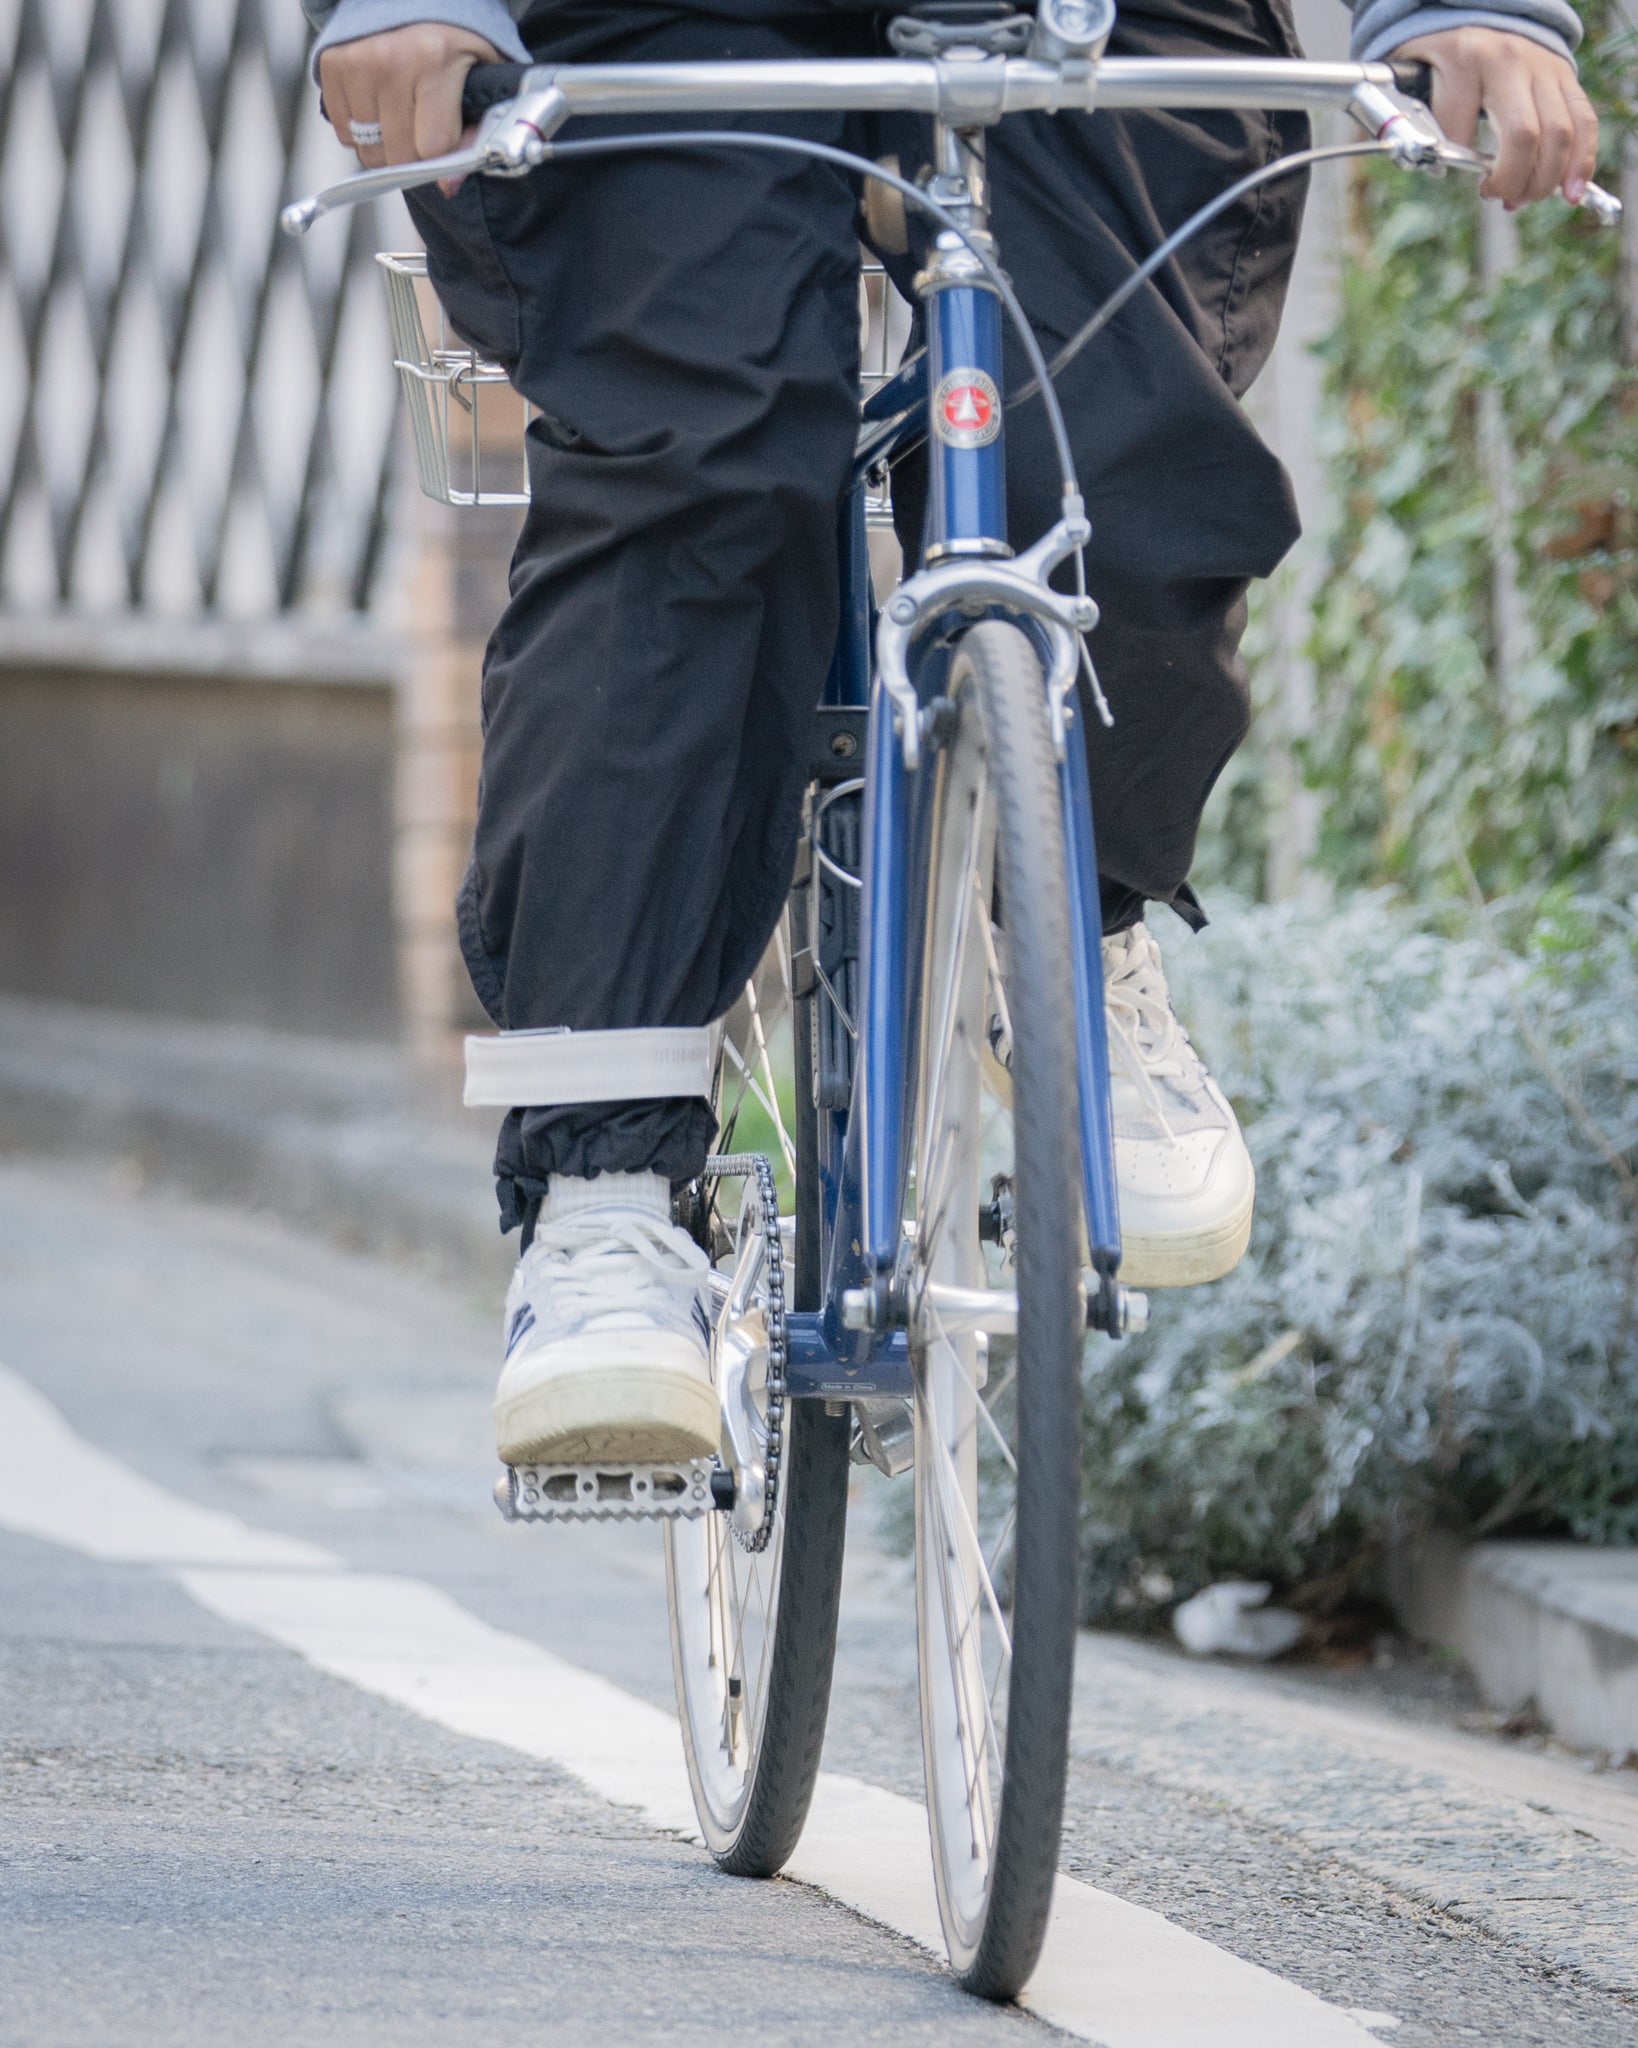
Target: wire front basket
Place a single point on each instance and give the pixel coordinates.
(466, 420)
(884, 328)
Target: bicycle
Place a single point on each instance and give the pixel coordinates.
(956, 1234)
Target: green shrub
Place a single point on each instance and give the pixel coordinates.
(1436, 1319)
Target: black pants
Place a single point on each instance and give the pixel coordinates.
(688, 326)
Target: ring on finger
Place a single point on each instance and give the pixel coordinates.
(365, 134)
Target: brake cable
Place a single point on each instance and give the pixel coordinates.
(1043, 374)
(1263, 175)
(824, 152)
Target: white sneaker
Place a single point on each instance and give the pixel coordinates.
(1182, 1171)
(607, 1333)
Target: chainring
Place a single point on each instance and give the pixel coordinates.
(755, 1168)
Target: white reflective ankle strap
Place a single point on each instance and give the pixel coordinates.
(550, 1069)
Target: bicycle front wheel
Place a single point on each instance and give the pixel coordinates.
(997, 1207)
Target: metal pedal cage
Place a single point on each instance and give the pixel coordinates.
(605, 1493)
(609, 1491)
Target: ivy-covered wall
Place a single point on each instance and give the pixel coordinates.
(1437, 1319)
(1475, 637)
(1434, 738)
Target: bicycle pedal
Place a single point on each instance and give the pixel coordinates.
(605, 1492)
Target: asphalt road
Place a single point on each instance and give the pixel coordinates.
(209, 1835)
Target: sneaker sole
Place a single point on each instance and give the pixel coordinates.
(633, 1414)
(1186, 1258)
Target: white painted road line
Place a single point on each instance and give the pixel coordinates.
(55, 1485)
(1112, 1973)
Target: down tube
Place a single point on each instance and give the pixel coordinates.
(1091, 1032)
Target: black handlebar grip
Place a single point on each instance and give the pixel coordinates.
(486, 86)
(1413, 78)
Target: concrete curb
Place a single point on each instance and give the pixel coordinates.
(352, 1139)
(1548, 1625)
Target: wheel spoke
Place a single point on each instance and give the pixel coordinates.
(983, 1407)
(967, 1676)
(749, 1084)
(1007, 1528)
(764, 1618)
(928, 1234)
(957, 1631)
(770, 1100)
(998, 987)
(765, 1646)
(951, 1492)
(728, 1119)
(958, 960)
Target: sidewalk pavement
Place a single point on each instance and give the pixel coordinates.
(353, 1139)
(360, 1142)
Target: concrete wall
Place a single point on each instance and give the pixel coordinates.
(179, 838)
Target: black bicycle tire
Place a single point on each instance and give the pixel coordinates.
(804, 1653)
(1051, 1313)
(813, 1488)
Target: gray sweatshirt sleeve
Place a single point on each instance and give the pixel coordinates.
(1380, 26)
(344, 21)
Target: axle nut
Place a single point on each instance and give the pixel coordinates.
(856, 1307)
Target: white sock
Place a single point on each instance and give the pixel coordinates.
(567, 1196)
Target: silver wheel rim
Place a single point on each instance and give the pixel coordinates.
(724, 1599)
(964, 1459)
(724, 1610)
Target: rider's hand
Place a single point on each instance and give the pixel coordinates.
(1546, 131)
(407, 79)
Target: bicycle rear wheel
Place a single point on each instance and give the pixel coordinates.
(997, 1212)
(753, 1631)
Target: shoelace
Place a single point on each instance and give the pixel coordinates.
(600, 1262)
(1145, 1038)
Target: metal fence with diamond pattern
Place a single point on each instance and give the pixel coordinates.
(196, 415)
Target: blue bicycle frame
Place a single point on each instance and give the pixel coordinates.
(890, 667)
(950, 395)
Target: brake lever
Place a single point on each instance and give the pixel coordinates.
(511, 139)
(1604, 207)
(1417, 142)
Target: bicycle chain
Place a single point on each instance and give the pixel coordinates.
(756, 1166)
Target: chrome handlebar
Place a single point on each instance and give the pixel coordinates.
(961, 89)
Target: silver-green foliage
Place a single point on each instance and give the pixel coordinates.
(1436, 1318)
